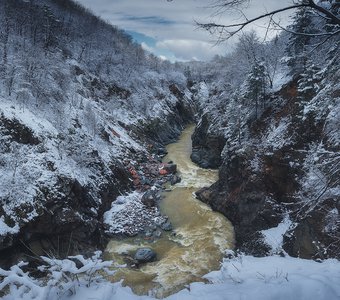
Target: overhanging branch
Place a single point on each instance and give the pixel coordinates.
(213, 27)
(226, 31)
(325, 11)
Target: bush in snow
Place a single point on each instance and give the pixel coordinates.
(63, 277)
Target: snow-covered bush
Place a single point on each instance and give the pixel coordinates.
(63, 277)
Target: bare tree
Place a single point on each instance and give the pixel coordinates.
(4, 37)
(226, 31)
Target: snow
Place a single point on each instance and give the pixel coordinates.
(4, 228)
(107, 291)
(333, 221)
(202, 93)
(24, 170)
(38, 125)
(242, 277)
(274, 236)
(129, 215)
(276, 136)
(280, 80)
(273, 277)
(256, 164)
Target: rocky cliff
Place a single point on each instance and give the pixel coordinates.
(282, 175)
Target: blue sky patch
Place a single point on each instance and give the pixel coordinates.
(152, 44)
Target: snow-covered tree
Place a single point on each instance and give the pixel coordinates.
(300, 38)
(256, 87)
(308, 83)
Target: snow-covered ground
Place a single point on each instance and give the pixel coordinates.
(243, 277)
(271, 278)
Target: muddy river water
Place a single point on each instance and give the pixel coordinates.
(198, 241)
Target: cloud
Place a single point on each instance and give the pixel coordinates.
(173, 23)
(149, 44)
(191, 49)
(147, 47)
(162, 57)
(149, 20)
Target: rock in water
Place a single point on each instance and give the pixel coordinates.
(175, 179)
(144, 255)
(170, 168)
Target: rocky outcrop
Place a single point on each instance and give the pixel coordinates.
(316, 233)
(160, 131)
(245, 201)
(206, 146)
(67, 142)
(268, 177)
(69, 219)
(17, 132)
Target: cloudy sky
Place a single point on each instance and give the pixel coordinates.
(167, 28)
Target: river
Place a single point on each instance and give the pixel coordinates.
(200, 239)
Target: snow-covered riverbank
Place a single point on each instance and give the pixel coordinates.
(243, 277)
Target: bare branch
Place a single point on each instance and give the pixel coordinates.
(228, 4)
(326, 12)
(213, 27)
(332, 33)
(267, 30)
(226, 31)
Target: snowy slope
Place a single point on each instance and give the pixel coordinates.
(78, 99)
(269, 278)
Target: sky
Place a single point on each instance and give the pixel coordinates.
(167, 28)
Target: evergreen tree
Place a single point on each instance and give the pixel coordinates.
(256, 85)
(308, 83)
(299, 40)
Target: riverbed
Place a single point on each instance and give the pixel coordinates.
(199, 237)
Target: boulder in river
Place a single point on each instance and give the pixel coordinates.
(144, 255)
(175, 179)
(170, 168)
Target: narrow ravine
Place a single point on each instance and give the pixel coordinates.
(198, 241)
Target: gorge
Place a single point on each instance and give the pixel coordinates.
(103, 146)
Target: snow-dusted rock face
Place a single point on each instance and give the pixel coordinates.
(207, 147)
(280, 159)
(80, 103)
(54, 186)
